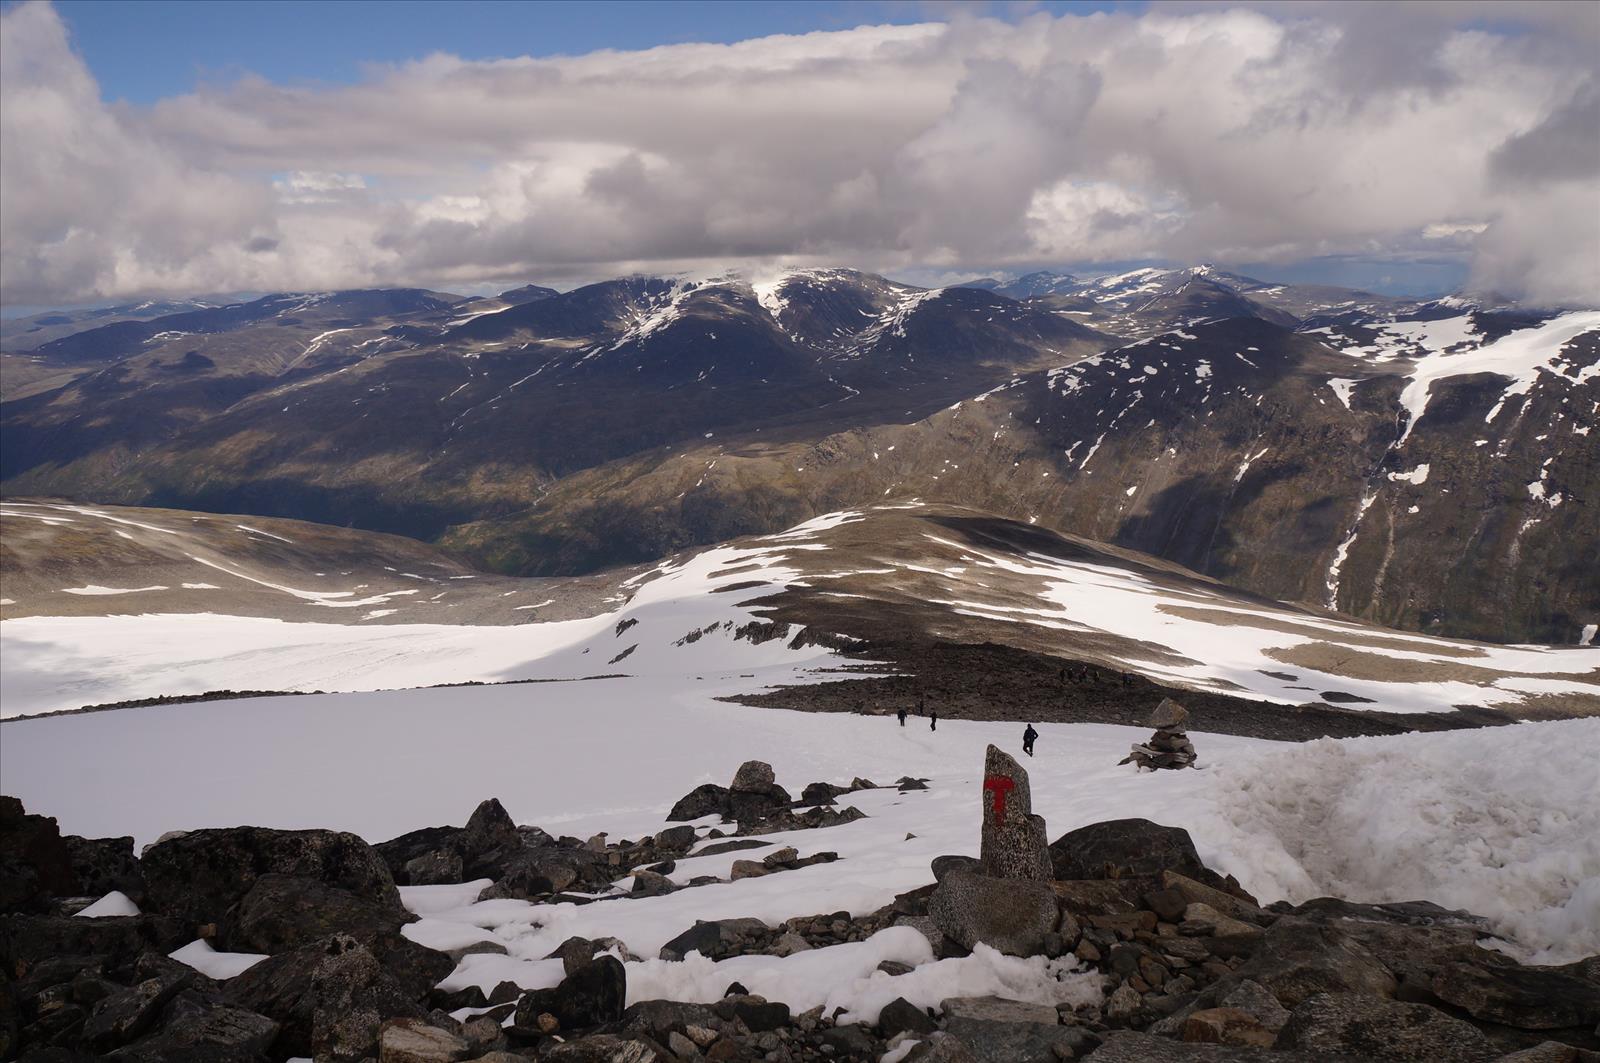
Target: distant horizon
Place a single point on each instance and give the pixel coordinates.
(1261, 272)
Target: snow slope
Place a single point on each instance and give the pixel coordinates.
(1501, 820)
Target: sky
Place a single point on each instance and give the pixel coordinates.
(168, 149)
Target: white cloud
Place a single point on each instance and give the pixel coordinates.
(1231, 134)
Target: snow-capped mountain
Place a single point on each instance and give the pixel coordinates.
(554, 433)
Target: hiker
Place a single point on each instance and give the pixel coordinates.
(1027, 739)
(933, 719)
(902, 715)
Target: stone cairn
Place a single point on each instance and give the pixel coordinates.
(1014, 842)
(1169, 747)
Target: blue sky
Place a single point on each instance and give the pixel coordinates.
(143, 51)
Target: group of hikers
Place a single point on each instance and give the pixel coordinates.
(1028, 736)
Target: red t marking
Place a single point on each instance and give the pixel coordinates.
(1001, 786)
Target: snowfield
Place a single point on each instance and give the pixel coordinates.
(1501, 820)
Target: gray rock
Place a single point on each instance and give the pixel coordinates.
(1383, 1029)
(1254, 1000)
(1203, 919)
(350, 996)
(1126, 1046)
(412, 1041)
(600, 1048)
(1296, 960)
(1008, 914)
(997, 1009)
(1014, 840)
(490, 827)
(1546, 1052)
(437, 868)
(676, 839)
(753, 777)
(1168, 716)
(703, 937)
(219, 1032)
(1019, 1042)
(941, 1047)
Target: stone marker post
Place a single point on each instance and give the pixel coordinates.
(1014, 843)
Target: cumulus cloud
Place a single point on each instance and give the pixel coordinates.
(1246, 133)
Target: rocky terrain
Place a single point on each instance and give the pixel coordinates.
(1425, 465)
(1112, 942)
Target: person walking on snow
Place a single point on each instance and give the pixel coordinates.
(1027, 739)
(933, 719)
(902, 715)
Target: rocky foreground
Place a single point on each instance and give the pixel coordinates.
(302, 933)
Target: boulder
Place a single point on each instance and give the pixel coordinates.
(676, 839)
(1227, 1026)
(821, 793)
(1014, 844)
(703, 937)
(1020, 1042)
(490, 827)
(1376, 1028)
(603, 1048)
(998, 1009)
(1127, 1046)
(197, 877)
(284, 912)
(27, 939)
(294, 988)
(1296, 960)
(214, 1032)
(940, 1047)
(1124, 848)
(413, 1041)
(901, 1016)
(591, 995)
(122, 1016)
(1007, 914)
(436, 867)
(705, 800)
(102, 865)
(35, 862)
(754, 777)
(398, 852)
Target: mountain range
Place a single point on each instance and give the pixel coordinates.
(1424, 464)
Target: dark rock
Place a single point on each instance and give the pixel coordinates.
(1124, 848)
(219, 1032)
(658, 1018)
(1127, 1046)
(703, 937)
(435, 868)
(704, 800)
(753, 777)
(1296, 960)
(34, 861)
(943, 865)
(848, 1042)
(761, 1015)
(27, 939)
(1383, 1029)
(102, 865)
(1019, 1042)
(123, 1016)
(1168, 904)
(283, 912)
(398, 852)
(1014, 843)
(197, 877)
(732, 845)
(489, 828)
(821, 793)
(603, 1048)
(592, 995)
(901, 1016)
(1011, 915)
(575, 952)
(676, 839)
(307, 987)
